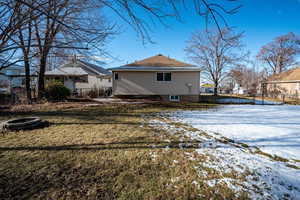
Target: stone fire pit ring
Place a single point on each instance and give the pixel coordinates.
(25, 123)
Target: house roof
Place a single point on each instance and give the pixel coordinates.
(290, 75)
(67, 71)
(97, 68)
(158, 62)
(208, 85)
(78, 68)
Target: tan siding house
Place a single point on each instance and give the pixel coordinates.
(285, 83)
(158, 76)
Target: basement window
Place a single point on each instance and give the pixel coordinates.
(174, 98)
(163, 76)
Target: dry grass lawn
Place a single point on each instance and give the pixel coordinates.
(99, 152)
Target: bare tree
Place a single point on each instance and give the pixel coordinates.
(24, 41)
(63, 24)
(66, 24)
(137, 13)
(246, 77)
(8, 28)
(281, 53)
(216, 53)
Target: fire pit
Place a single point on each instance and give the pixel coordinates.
(25, 123)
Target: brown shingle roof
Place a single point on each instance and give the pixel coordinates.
(290, 75)
(160, 61)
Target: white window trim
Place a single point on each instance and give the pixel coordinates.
(155, 78)
(176, 100)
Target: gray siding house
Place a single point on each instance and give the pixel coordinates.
(159, 75)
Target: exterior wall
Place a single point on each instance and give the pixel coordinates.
(105, 82)
(238, 90)
(4, 80)
(144, 83)
(186, 98)
(94, 82)
(290, 90)
(69, 83)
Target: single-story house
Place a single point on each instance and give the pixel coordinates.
(170, 79)
(80, 76)
(286, 83)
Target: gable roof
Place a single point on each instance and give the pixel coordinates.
(78, 68)
(97, 68)
(157, 63)
(290, 75)
(67, 71)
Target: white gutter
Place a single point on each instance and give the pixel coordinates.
(155, 69)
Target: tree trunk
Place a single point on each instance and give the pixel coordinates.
(41, 79)
(27, 81)
(216, 90)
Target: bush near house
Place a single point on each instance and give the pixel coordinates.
(56, 91)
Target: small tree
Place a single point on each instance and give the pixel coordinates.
(281, 53)
(216, 53)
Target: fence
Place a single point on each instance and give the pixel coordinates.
(92, 92)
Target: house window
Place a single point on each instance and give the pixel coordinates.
(160, 76)
(174, 98)
(298, 86)
(83, 79)
(109, 80)
(116, 75)
(163, 76)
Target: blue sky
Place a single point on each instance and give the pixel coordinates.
(261, 20)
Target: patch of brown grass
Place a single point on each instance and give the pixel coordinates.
(103, 152)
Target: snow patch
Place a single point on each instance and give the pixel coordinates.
(274, 129)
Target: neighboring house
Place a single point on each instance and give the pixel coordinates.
(11, 77)
(207, 88)
(285, 83)
(239, 90)
(80, 76)
(159, 75)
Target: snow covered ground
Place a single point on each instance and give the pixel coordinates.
(274, 129)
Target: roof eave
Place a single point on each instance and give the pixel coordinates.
(155, 70)
(146, 68)
(282, 81)
(66, 74)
